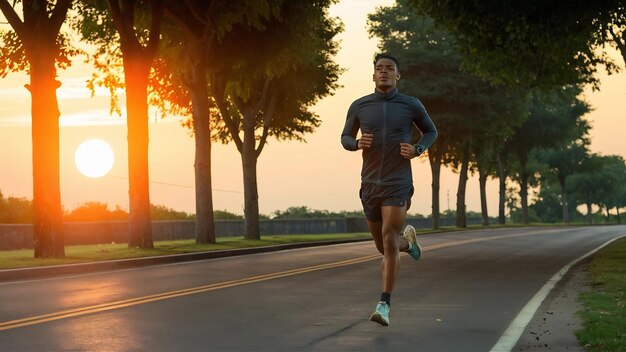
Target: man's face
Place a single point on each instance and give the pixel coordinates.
(386, 74)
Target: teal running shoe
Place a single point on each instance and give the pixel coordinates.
(381, 314)
(415, 251)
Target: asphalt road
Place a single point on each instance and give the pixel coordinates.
(461, 296)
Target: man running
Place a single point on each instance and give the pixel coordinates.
(386, 119)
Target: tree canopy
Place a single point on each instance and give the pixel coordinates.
(266, 87)
(531, 43)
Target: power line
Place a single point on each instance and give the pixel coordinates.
(178, 185)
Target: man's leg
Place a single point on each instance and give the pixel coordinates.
(393, 244)
(376, 229)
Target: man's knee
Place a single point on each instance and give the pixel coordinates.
(390, 240)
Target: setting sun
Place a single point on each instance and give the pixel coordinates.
(94, 158)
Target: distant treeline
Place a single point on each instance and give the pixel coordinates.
(20, 211)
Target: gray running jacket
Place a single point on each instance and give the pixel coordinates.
(390, 118)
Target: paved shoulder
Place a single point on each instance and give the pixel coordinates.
(554, 326)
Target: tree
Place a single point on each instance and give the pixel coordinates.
(620, 197)
(613, 171)
(611, 25)
(597, 181)
(226, 215)
(583, 184)
(137, 29)
(257, 94)
(36, 45)
(178, 81)
(161, 212)
(554, 118)
(514, 43)
(563, 161)
(15, 210)
(503, 110)
(190, 41)
(137, 55)
(95, 211)
(618, 200)
(301, 212)
(548, 205)
(502, 172)
(490, 118)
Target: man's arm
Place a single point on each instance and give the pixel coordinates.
(350, 130)
(425, 124)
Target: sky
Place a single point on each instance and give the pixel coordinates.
(318, 174)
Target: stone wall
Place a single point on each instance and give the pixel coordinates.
(16, 236)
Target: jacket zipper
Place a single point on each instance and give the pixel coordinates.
(382, 156)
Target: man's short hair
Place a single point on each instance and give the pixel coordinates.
(387, 56)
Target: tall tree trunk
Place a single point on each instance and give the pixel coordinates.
(523, 183)
(502, 191)
(589, 213)
(435, 169)
(205, 221)
(137, 63)
(461, 220)
(564, 202)
(47, 222)
(524, 176)
(37, 33)
(482, 180)
(607, 214)
(619, 218)
(198, 46)
(136, 73)
(250, 189)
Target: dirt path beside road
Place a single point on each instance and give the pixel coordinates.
(554, 325)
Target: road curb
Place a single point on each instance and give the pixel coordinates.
(82, 268)
(514, 331)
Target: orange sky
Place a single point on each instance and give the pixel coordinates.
(319, 174)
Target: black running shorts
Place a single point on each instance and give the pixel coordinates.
(374, 196)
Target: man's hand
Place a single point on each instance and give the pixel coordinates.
(408, 151)
(366, 141)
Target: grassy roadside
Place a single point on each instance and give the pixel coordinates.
(604, 312)
(90, 253)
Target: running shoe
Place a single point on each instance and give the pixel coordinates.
(381, 314)
(415, 251)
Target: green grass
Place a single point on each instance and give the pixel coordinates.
(90, 253)
(604, 312)
(100, 252)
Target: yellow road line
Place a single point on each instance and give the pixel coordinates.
(13, 324)
(171, 294)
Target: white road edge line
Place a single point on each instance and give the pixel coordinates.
(511, 335)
